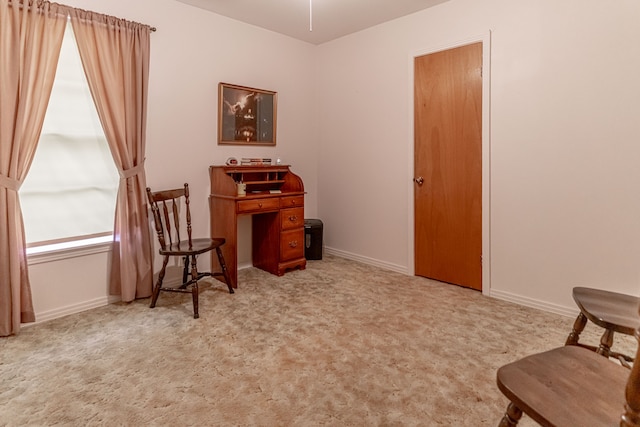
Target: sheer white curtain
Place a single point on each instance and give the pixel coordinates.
(70, 191)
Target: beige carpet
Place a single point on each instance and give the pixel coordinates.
(338, 344)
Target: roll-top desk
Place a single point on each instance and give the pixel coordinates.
(275, 200)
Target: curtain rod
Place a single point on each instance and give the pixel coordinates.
(40, 2)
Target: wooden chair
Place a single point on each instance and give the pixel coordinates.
(165, 206)
(571, 386)
(610, 310)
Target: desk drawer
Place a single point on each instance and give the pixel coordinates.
(291, 201)
(258, 205)
(291, 218)
(291, 244)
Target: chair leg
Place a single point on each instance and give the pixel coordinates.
(185, 271)
(578, 327)
(511, 417)
(156, 288)
(194, 287)
(605, 343)
(225, 272)
(631, 416)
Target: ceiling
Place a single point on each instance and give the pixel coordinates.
(331, 18)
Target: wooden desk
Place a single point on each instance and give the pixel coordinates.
(275, 199)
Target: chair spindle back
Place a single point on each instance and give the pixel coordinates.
(165, 208)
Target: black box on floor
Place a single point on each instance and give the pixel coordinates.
(313, 239)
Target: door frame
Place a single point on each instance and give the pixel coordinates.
(485, 38)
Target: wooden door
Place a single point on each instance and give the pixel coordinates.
(448, 165)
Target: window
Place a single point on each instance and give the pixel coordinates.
(70, 191)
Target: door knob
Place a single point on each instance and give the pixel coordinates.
(419, 180)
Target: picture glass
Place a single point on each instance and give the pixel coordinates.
(247, 116)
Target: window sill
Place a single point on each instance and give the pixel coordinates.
(60, 251)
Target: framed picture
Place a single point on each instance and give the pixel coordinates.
(246, 116)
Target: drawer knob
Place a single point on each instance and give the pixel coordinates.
(293, 244)
(259, 205)
(293, 218)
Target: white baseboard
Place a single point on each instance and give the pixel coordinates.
(47, 315)
(534, 303)
(366, 260)
(506, 296)
(243, 265)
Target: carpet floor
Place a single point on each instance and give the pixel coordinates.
(338, 344)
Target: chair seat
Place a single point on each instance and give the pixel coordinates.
(198, 246)
(610, 310)
(567, 386)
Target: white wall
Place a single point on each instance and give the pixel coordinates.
(191, 52)
(565, 99)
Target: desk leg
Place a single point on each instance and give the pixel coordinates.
(224, 224)
(230, 253)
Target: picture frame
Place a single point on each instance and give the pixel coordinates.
(246, 115)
